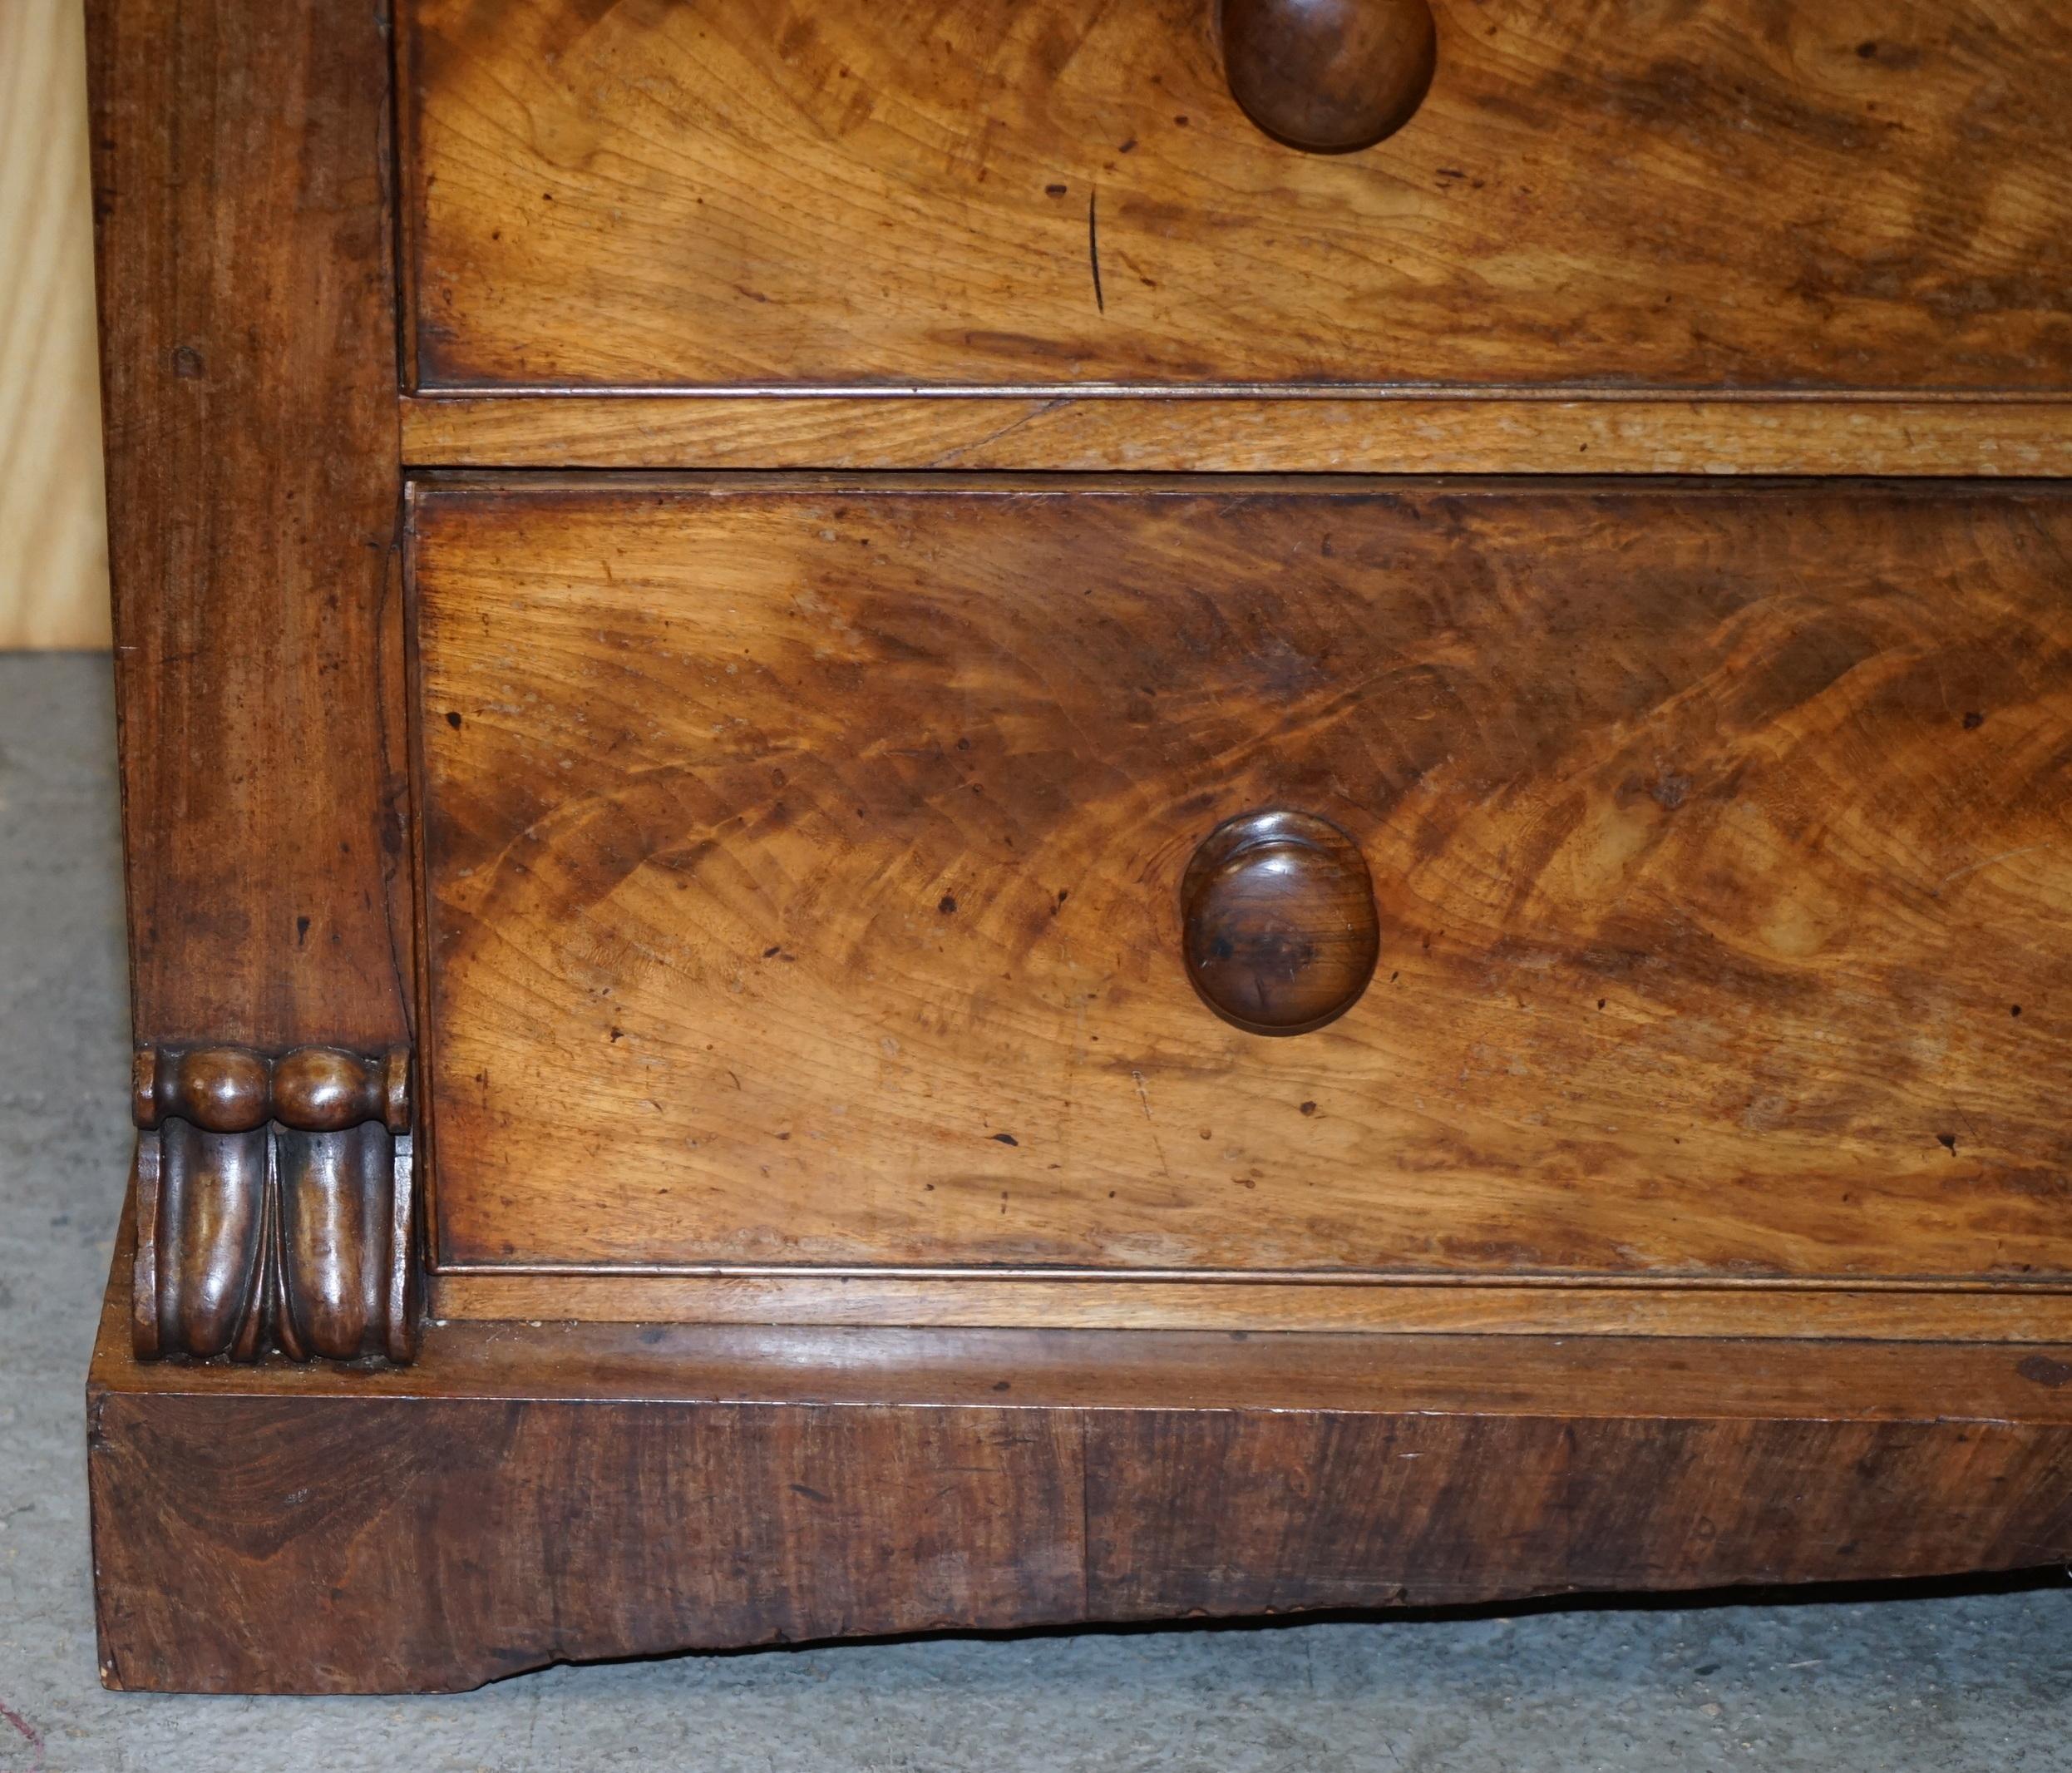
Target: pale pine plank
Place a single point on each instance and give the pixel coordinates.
(53, 533)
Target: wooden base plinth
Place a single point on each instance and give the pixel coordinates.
(530, 1493)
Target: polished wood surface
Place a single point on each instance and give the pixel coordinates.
(792, 868)
(803, 866)
(275, 1205)
(234, 1090)
(1277, 922)
(565, 1492)
(246, 312)
(1507, 433)
(1329, 76)
(1394, 1304)
(1867, 194)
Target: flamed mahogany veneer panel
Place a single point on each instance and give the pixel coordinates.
(804, 866)
(1861, 194)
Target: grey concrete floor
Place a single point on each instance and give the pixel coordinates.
(1975, 1679)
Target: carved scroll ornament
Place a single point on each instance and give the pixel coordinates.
(275, 1205)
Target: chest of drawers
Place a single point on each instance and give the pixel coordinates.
(980, 814)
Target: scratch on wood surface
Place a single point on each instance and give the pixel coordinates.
(1988, 862)
(1093, 247)
(1158, 1144)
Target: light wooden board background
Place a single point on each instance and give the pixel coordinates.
(53, 540)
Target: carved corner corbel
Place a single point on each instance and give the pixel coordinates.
(275, 1208)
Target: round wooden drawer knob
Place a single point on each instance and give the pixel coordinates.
(1277, 918)
(1330, 76)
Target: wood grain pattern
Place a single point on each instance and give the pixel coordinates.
(1375, 1305)
(1866, 193)
(578, 1491)
(248, 313)
(803, 866)
(53, 524)
(798, 896)
(1506, 434)
(1645, 1503)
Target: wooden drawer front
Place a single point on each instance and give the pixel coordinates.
(1615, 194)
(804, 867)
